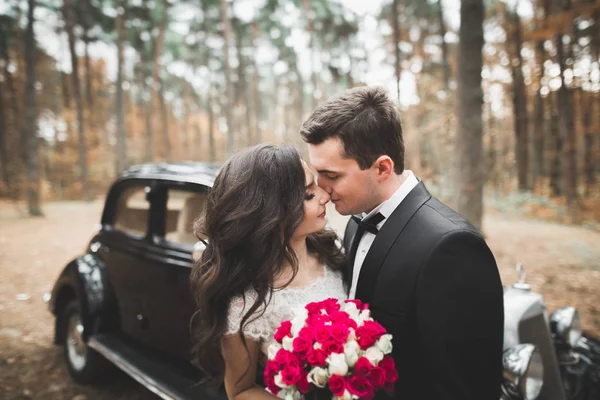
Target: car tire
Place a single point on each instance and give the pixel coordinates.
(84, 364)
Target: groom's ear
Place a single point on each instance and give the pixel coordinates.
(384, 167)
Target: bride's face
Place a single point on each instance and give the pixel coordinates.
(315, 200)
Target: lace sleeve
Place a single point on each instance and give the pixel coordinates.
(257, 326)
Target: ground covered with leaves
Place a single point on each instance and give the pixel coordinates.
(562, 263)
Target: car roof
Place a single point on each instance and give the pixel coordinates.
(186, 172)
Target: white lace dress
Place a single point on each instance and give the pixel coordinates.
(280, 307)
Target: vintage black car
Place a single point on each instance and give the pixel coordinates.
(126, 301)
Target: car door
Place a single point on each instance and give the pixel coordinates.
(123, 246)
(172, 249)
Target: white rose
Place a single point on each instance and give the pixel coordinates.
(365, 315)
(352, 310)
(297, 324)
(317, 346)
(288, 343)
(337, 364)
(279, 381)
(272, 350)
(345, 396)
(318, 376)
(292, 394)
(374, 355)
(385, 344)
(351, 350)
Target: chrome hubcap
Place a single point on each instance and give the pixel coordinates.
(76, 347)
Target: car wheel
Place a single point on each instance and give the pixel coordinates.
(83, 363)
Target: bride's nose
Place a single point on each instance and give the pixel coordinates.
(324, 197)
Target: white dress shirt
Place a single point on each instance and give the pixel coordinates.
(386, 209)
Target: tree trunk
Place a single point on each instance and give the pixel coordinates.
(157, 89)
(3, 137)
(566, 128)
(555, 147)
(309, 15)
(211, 126)
(519, 101)
(396, 30)
(30, 130)
(256, 100)
(469, 175)
(88, 73)
(83, 163)
(228, 106)
(165, 118)
(121, 163)
(586, 106)
(443, 31)
(538, 123)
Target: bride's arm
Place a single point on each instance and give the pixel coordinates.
(240, 375)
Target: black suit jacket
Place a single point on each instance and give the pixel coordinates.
(433, 283)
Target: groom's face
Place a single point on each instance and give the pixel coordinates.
(351, 189)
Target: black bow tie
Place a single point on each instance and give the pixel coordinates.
(369, 224)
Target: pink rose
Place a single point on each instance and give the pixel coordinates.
(314, 307)
(339, 332)
(316, 358)
(284, 358)
(317, 319)
(307, 333)
(337, 385)
(283, 331)
(359, 386)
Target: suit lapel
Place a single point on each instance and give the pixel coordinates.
(384, 240)
(349, 237)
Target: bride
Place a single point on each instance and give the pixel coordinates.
(267, 253)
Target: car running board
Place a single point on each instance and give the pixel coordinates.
(153, 375)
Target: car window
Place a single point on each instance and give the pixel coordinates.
(131, 214)
(183, 208)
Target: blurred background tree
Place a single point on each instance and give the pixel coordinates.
(506, 103)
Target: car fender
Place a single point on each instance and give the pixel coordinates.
(85, 279)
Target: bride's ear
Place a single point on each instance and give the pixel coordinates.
(384, 167)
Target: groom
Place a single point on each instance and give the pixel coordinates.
(427, 273)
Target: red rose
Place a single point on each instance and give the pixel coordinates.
(316, 358)
(303, 384)
(362, 367)
(375, 328)
(389, 387)
(284, 358)
(339, 332)
(377, 377)
(337, 385)
(364, 338)
(317, 319)
(283, 331)
(322, 333)
(307, 333)
(314, 307)
(331, 346)
(359, 304)
(272, 368)
(301, 346)
(389, 368)
(331, 305)
(291, 374)
(359, 386)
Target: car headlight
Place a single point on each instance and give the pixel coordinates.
(524, 369)
(566, 325)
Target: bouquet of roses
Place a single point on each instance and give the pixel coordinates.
(333, 347)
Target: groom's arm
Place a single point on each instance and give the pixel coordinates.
(460, 319)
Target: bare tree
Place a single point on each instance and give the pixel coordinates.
(396, 29)
(228, 84)
(30, 131)
(469, 174)
(121, 163)
(83, 162)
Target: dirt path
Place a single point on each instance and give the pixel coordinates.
(562, 262)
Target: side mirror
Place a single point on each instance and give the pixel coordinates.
(197, 250)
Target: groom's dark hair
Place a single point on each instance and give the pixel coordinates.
(367, 122)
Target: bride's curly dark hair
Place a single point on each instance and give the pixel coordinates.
(252, 211)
